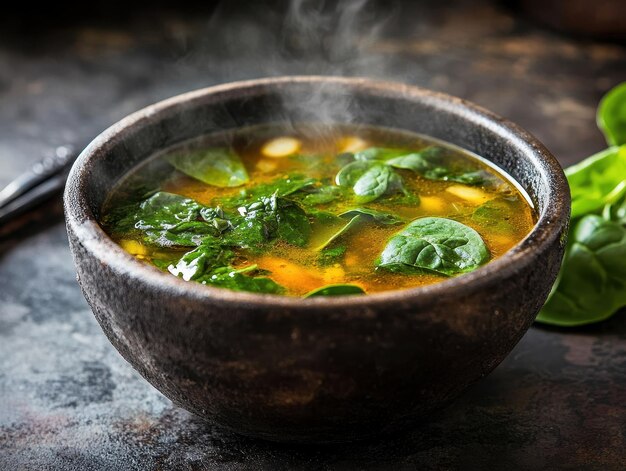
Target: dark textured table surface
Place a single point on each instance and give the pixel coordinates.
(69, 401)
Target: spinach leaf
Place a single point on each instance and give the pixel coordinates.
(429, 162)
(238, 280)
(206, 257)
(169, 220)
(414, 161)
(335, 290)
(493, 214)
(349, 225)
(350, 174)
(379, 153)
(436, 245)
(268, 219)
(209, 264)
(616, 210)
(380, 217)
(597, 180)
(611, 115)
(472, 178)
(322, 195)
(592, 280)
(280, 187)
(369, 180)
(216, 166)
(375, 182)
(331, 255)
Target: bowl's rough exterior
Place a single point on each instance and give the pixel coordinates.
(315, 370)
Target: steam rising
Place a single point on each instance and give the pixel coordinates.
(298, 37)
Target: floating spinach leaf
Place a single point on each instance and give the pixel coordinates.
(349, 225)
(592, 280)
(350, 174)
(611, 115)
(331, 255)
(335, 290)
(414, 161)
(369, 180)
(170, 220)
(216, 166)
(380, 217)
(206, 257)
(240, 280)
(379, 153)
(435, 245)
(472, 178)
(493, 214)
(597, 180)
(280, 187)
(322, 195)
(268, 219)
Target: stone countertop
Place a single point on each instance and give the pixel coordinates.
(69, 401)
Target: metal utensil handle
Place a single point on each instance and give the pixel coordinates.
(59, 161)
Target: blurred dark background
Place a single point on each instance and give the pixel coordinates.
(68, 400)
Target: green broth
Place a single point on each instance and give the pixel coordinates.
(332, 211)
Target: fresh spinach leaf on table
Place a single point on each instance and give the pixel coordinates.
(611, 116)
(592, 283)
(597, 180)
(435, 245)
(214, 166)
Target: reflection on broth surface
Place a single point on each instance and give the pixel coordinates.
(292, 210)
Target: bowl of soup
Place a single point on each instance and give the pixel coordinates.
(315, 259)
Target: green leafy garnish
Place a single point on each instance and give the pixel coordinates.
(436, 245)
(369, 180)
(373, 173)
(597, 180)
(335, 290)
(380, 217)
(206, 257)
(214, 166)
(379, 153)
(331, 255)
(592, 285)
(322, 195)
(349, 225)
(240, 280)
(170, 220)
(269, 219)
(495, 214)
(611, 115)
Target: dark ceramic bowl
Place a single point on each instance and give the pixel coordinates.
(319, 369)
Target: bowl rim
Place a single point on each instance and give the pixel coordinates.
(553, 218)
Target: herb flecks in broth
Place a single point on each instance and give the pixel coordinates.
(316, 214)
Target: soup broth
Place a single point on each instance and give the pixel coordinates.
(316, 210)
